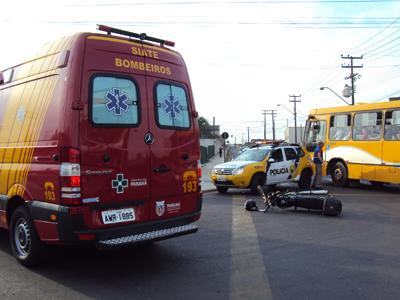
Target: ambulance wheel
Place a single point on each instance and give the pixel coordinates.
(339, 174)
(258, 179)
(222, 189)
(305, 179)
(25, 242)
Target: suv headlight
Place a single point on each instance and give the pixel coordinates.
(214, 171)
(237, 171)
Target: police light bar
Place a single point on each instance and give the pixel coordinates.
(141, 36)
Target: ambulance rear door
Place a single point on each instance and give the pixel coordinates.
(174, 148)
(115, 159)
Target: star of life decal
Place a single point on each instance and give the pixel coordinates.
(172, 107)
(116, 101)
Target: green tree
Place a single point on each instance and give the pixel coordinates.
(205, 128)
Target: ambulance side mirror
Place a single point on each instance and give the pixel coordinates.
(271, 160)
(1, 78)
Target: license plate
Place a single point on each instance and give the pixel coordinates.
(118, 215)
(221, 178)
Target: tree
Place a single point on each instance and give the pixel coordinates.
(205, 128)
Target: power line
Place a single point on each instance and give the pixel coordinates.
(375, 35)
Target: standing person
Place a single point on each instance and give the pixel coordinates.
(220, 151)
(318, 160)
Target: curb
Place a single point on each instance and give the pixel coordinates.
(209, 190)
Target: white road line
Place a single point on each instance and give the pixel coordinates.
(248, 275)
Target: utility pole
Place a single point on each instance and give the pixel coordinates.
(352, 74)
(213, 129)
(272, 112)
(248, 134)
(294, 100)
(264, 112)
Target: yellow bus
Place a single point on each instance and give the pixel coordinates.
(362, 142)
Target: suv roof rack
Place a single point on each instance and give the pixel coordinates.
(140, 36)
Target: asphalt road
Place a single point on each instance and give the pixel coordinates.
(235, 255)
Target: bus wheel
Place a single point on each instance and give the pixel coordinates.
(258, 179)
(339, 174)
(222, 189)
(305, 179)
(25, 242)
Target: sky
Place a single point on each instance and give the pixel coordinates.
(243, 57)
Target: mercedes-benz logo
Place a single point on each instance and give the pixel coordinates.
(148, 138)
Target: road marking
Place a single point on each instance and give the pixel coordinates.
(248, 275)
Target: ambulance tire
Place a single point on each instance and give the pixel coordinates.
(258, 179)
(25, 242)
(305, 179)
(339, 174)
(222, 189)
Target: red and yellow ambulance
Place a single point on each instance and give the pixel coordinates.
(99, 142)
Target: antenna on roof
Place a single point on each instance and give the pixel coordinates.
(141, 36)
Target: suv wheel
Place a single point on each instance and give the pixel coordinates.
(258, 179)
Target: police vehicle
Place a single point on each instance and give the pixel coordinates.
(265, 165)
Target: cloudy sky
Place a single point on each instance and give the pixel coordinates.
(243, 56)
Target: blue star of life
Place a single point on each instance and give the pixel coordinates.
(116, 101)
(172, 107)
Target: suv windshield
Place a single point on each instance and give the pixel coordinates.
(257, 154)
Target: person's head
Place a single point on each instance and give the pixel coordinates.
(321, 144)
(364, 131)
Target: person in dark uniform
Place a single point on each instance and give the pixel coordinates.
(318, 160)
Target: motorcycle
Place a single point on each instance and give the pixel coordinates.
(319, 200)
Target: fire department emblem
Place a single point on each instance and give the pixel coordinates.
(160, 208)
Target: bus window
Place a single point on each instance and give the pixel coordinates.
(392, 125)
(315, 132)
(367, 126)
(339, 127)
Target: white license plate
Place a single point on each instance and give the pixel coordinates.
(221, 178)
(118, 215)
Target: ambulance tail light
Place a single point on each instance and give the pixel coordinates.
(199, 173)
(70, 176)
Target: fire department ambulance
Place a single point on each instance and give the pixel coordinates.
(98, 142)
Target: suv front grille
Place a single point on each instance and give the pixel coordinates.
(223, 171)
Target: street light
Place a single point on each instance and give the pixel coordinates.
(325, 87)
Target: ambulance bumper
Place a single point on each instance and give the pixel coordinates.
(150, 236)
(70, 228)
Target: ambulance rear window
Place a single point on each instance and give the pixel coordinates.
(114, 101)
(172, 106)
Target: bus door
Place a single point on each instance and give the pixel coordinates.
(391, 144)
